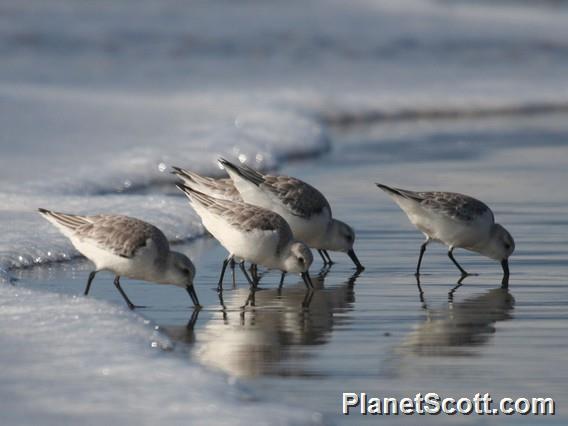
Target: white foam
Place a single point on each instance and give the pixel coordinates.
(103, 98)
(108, 145)
(68, 359)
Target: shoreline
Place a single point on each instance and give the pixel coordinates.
(284, 353)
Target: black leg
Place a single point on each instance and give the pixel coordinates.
(232, 265)
(505, 280)
(254, 273)
(225, 263)
(251, 282)
(451, 256)
(89, 281)
(222, 303)
(422, 250)
(282, 279)
(322, 256)
(126, 299)
(353, 257)
(326, 254)
(420, 291)
(191, 291)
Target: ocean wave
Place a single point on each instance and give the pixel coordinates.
(378, 114)
(101, 152)
(117, 173)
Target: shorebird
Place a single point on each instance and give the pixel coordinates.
(305, 209)
(251, 233)
(222, 189)
(458, 221)
(127, 247)
(225, 189)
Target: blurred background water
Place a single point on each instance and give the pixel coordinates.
(98, 99)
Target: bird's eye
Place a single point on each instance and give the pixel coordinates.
(349, 238)
(507, 246)
(301, 259)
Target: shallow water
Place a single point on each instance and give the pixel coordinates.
(98, 99)
(376, 331)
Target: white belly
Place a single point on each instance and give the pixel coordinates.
(453, 233)
(141, 266)
(258, 247)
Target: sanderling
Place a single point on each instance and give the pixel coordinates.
(218, 188)
(223, 189)
(252, 234)
(458, 221)
(305, 209)
(127, 247)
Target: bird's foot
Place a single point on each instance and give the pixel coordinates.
(133, 306)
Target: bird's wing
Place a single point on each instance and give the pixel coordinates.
(122, 235)
(300, 198)
(456, 206)
(242, 216)
(451, 204)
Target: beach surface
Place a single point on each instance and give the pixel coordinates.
(98, 100)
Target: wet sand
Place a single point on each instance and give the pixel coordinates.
(378, 332)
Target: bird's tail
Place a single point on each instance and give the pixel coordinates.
(184, 175)
(190, 177)
(65, 222)
(388, 189)
(196, 196)
(245, 172)
(397, 192)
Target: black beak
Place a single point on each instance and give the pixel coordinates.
(505, 266)
(193, 295)
(351, 254)
(307, 279)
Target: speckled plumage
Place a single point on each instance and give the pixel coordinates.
(246, 217)
(299, 197)
(252, 234)
(121, 235)
(127, 247)
(456, 220)
(452, 204)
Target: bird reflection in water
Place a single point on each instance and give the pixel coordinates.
(182, 333)
(269, 332)
(456, 328)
